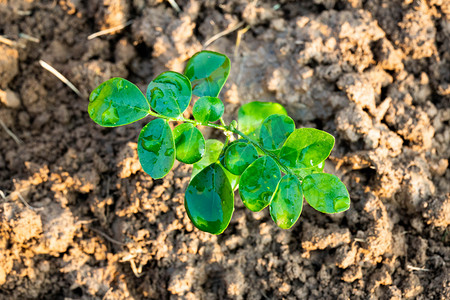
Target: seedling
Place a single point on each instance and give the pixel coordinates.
(272, 163)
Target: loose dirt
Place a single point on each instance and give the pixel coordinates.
(79, 219)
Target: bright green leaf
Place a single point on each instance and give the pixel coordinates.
(239, 156)
(207, 72)
(169, 94)
(209, 200)
(258, 183)
(287, 202)
(189, 143)
(306, 148)
(156, 148)
(234, 179)
(117, 102)
(275, 130)
(326, 193)
(208, 109)
(253, 114)
(213, 149)
(302, 173)
(212, 154)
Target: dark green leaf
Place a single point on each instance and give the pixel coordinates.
(189, 143)
(117, 102)
(326, 193)
(258, 183)
(209, 200)
(251, 115)
(307, 171)
(306, 148)
(287, 202)
(156, 148)
(239, 156)
(212, 154)
(169, 94)
(208, 109)
(207, 72)
(275, 130)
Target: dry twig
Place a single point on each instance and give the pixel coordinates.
(109, 30)
(60, 77)
(222, 33)
(10, 133)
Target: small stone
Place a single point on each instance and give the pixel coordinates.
(9, 99)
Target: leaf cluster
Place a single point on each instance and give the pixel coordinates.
(272, 164)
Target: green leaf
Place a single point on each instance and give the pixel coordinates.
(234, 179)
(117, 102)
(208, 109)
(212, 154)
(169, 94)
(207, 72)
(287, 202)
(275, 130)
(308, 171)
(306, 148)
(253, 114)
(213, 149)
(258, 183)
(239, 156)
(189, 143)
(156, 148)
(326, 193)
(209, 200)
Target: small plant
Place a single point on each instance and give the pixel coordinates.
(272, 163)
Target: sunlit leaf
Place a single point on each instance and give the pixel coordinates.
(253, 114)
(207, 71)
(212, 154)
(287, 202)
(326, 193)
(209, 200)
(189, 143)
(117, 102)
(302, 173)
(156, 148)
(169, 94)
(258, 183)
(275, 130)
(208, 109)
(239, 156)
(306, 148)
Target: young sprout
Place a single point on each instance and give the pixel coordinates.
(272, 164)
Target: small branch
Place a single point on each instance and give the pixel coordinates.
(29, 38)
(223, 33)
(264, 150)
(174, 5)
(6, 41)
(60, 77)
(26, 203)
(109, 30)
(412, 268)
(240, 33)
(11, 134)
(107, 237)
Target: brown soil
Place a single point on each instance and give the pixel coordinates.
(376, 74)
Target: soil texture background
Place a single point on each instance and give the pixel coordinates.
(79, 219)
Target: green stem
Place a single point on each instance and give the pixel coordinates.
(287, 171)
(228, 130)
(183, 119)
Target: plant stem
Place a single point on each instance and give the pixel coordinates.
(263, 150)
(183, 119)
(228, 130)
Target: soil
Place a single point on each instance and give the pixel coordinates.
(80, 220)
